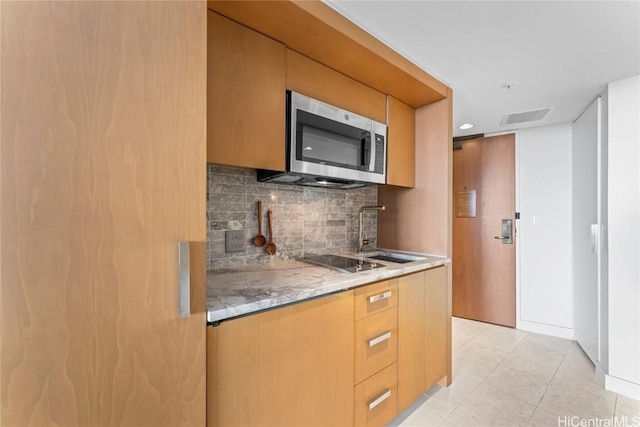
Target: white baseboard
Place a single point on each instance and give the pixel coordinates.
(618, 385)
(541, 328)
(623, 387)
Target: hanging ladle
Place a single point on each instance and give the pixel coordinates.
(259, 240)
(271, 247)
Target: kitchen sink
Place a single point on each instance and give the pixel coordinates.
(395, 257)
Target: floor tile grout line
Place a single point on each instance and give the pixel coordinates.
(474, 389)
(484, 329)
(565, 358)
(486, 376)
(502, 361)
(474, 337)
(549, 383)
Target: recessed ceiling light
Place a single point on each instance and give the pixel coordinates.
(465, 126)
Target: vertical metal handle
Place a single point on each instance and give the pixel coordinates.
(372, 150)
(595, 235)
(379, 399)
(184, 280)
(368, 147)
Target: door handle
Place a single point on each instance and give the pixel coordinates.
(507, 232)
(595, 236)
(184, 280)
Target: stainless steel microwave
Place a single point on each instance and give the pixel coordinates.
(330, 147)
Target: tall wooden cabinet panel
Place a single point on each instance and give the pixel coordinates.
(411, 338)
(245, 97)
(318, 81)
(103, 159)
(287, 367)
(401, 152)
(422, 333)
(437, 324)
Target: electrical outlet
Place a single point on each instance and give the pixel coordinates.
(234, 241)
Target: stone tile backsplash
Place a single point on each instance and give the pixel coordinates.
(306, 220)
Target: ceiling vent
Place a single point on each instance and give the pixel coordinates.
(524, 117)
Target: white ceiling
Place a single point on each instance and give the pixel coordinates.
(559, 54)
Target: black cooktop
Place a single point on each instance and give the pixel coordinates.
(341, 263)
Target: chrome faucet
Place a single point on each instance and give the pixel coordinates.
(362, 238)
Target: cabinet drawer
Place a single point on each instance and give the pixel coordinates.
(376, 399)
(375, 298)
(376, 345)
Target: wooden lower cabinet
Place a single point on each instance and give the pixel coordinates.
(422, 333)
(376, 399)
(411, 338)
(436, 342)
(376, 343)
(375, 298)
(376, 353)
(291, 366)
(354, 358)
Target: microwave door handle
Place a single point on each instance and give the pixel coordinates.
(372, 158)
(370, 147)
(366, 148)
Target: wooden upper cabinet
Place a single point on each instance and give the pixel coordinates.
(245, 97)
(318, 81)
(401, 151)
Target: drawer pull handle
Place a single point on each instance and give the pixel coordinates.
(380, 338)
(379, 399)
(379, 297)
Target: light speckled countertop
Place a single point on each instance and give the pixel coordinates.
(236, 292)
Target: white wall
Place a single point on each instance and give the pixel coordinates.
(623, 140)
(544, 192)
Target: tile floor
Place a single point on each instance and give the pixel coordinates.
(507, 377)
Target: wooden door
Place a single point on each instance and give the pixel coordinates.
(103, 159)
(484, 267)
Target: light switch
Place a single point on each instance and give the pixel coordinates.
(537, 220)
